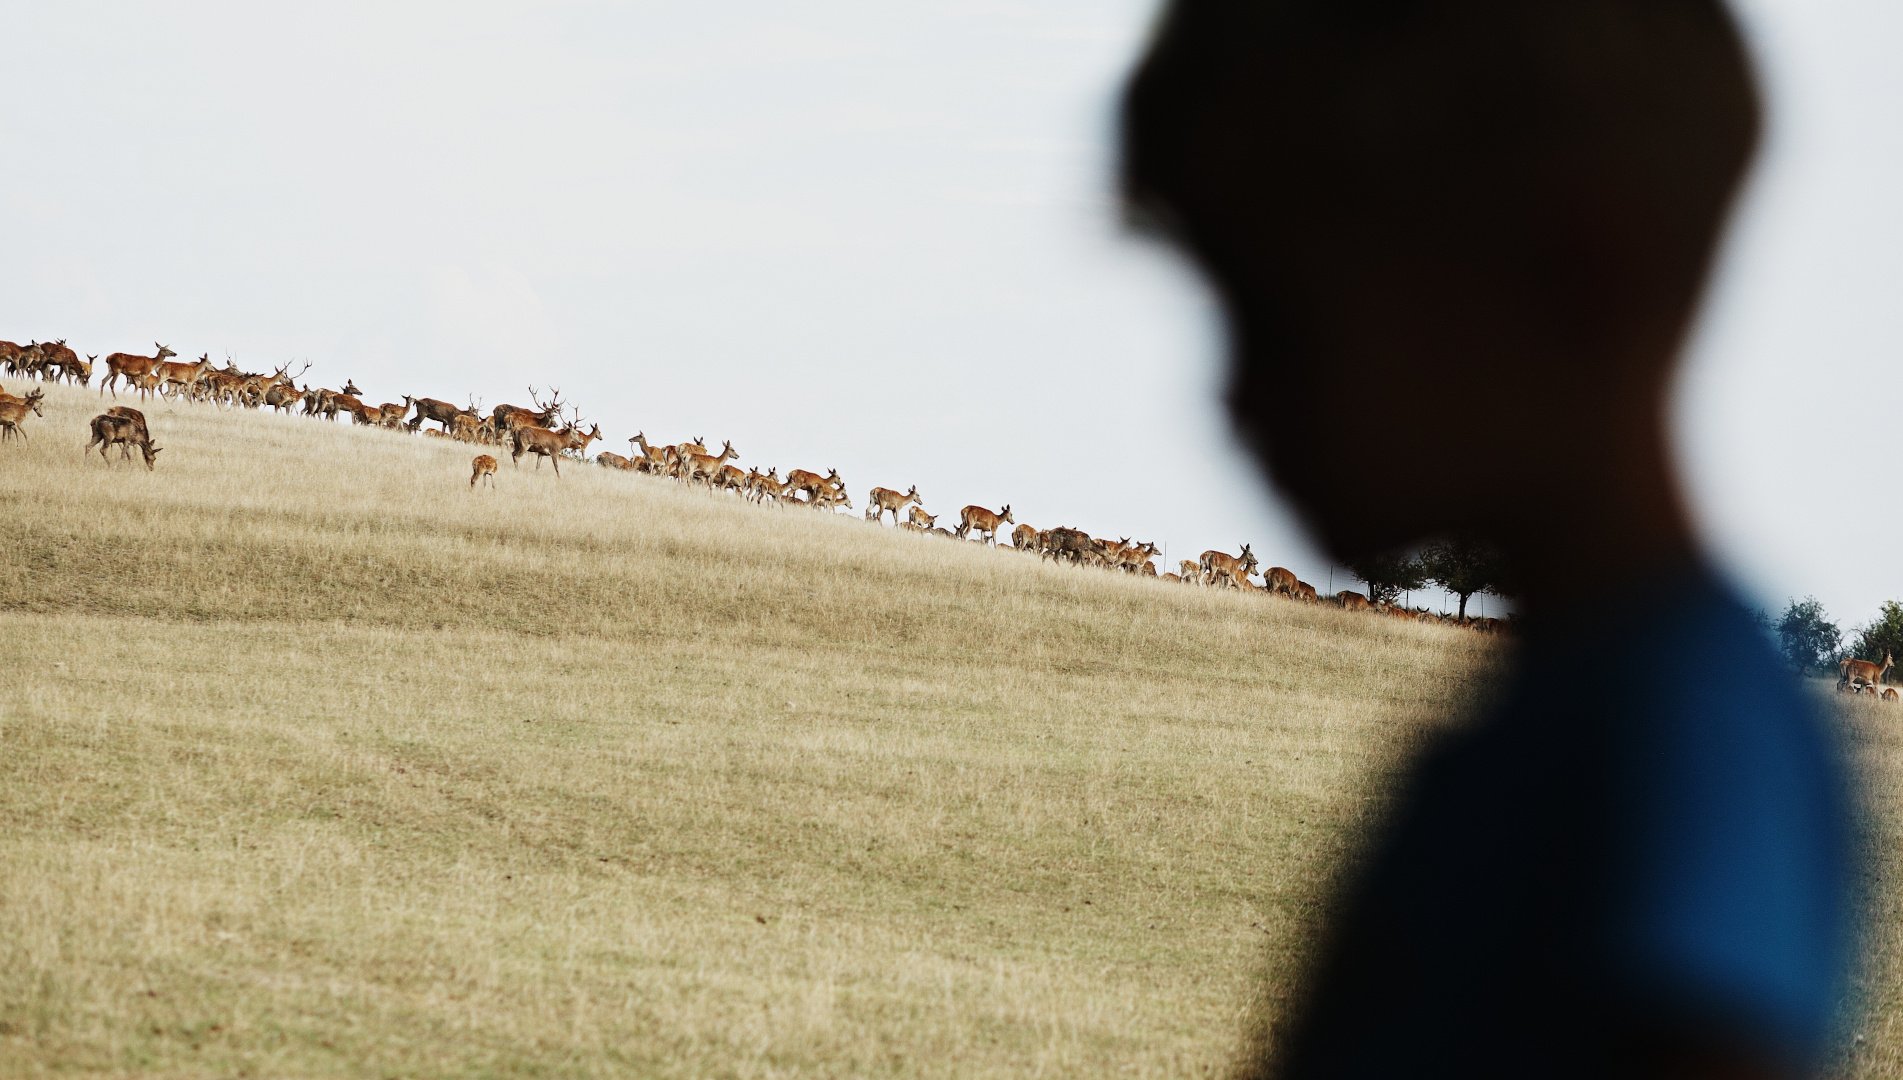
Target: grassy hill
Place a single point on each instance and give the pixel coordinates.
(312, 761)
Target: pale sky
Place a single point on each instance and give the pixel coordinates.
(863, 235)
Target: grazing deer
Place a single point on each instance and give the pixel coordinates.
(1854, 672)
(13, 412)
(1280, 580)
(1233, 570)
(920, 517)
(880, 500)
(390, 414)
(978, 519)
(1024, 538)
(113, 429)
(1306, 593)
(484, 466)
(1067, 543)
(130, 367)
(608, 459)
(1353, 601)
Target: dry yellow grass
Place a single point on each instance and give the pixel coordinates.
(313, 762)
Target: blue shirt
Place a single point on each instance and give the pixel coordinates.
(1649, 838)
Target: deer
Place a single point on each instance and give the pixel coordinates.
(1024, 538)
(980, 520)
(1353, 601)
(1135, 558)
(608, 459)
(431, 410)
(548, 444)
(655, 457)
(282, 396)
(505, 418)
(1853, 672)
(113, 429)
(13, 412)
(1280, 580)
(879, 500)
(484, 466)
(920, 518)
(1229, 569)
(57, 354)
(128, 366)
(812, 483)
(1306, 593)
(696, 467)
(179, 378)
(1065, 543)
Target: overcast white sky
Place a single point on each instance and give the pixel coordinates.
(857, 234)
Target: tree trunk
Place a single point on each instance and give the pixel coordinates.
(1463, 606)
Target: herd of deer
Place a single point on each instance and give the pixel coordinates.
(551, 429)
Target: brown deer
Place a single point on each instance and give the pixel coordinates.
(1024, 538)
(58, 360)
(431, 410)
(698, 467)
(608, 459)
(544, 443)
(130, 367)
(1222, 567)
(1306, 593)
(180, 378)
(1856, 673)
(1353, 601)
(655, 457)
(112, 429)
(484, 466)
(13, 412)
(1280, 580)
(880, 500)
(1074, 545)
(920, 518)
(505, 418)
(980, 520)
(813, 484)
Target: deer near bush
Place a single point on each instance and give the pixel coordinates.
(544, 443)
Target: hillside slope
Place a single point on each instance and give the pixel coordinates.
(317, 762)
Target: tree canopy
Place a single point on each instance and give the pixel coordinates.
(1808, 638)
(1388, 576)
(1465, 567)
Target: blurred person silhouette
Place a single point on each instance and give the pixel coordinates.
(1640, 860)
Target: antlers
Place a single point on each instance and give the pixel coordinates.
(554, 402)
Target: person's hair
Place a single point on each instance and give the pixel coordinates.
(1495, 129)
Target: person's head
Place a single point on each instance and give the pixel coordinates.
(1458, 243)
